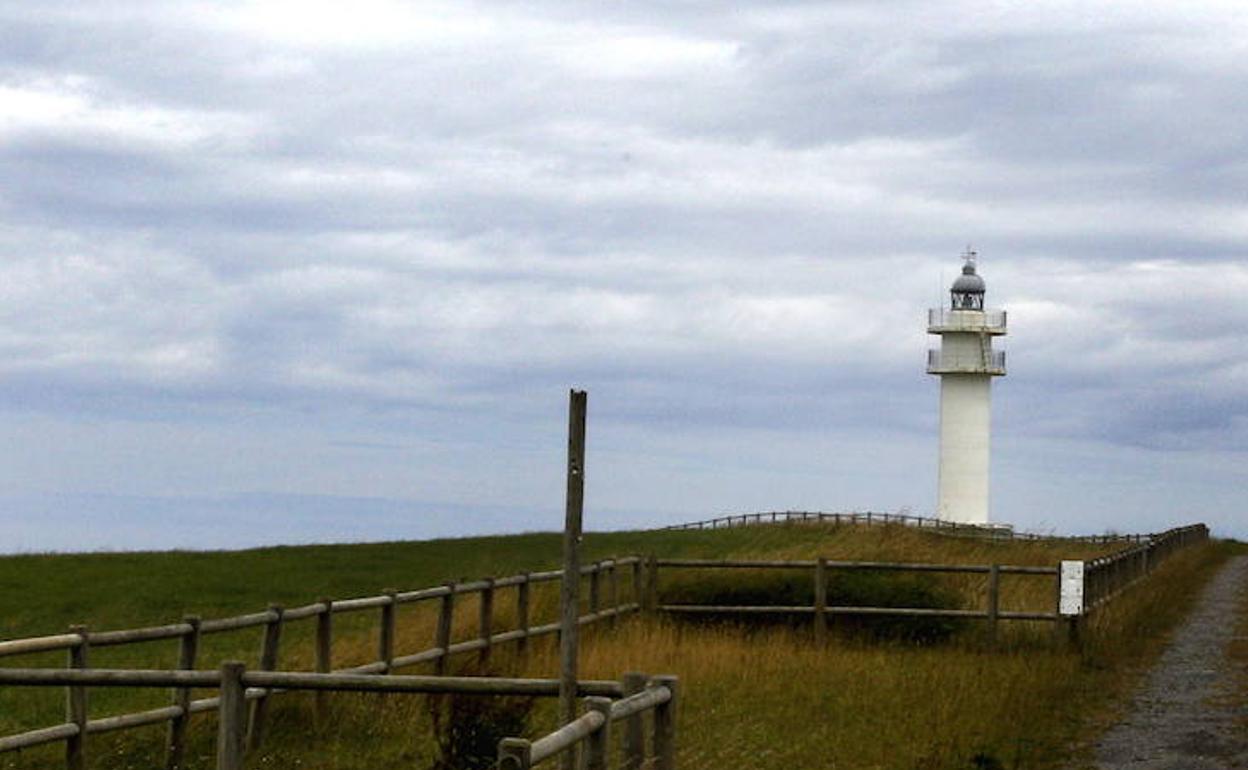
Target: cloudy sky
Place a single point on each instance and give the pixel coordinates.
(307, 271)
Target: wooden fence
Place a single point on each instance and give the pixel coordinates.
(593, 729)
(990, 531)
(604, 604)
(822, 612)
(1102, 579)
(237, 686)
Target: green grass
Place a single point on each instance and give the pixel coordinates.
(43, 594)
(745, 691)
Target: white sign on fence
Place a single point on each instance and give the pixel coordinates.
(1072, 588)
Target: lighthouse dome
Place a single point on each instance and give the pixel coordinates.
(967, 292)
(969, 282)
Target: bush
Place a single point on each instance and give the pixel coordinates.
(846, 588)
(467, 728)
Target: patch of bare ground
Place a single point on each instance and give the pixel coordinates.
(1183, 717)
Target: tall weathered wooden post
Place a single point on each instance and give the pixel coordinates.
(569, 594)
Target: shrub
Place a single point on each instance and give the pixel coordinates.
(467, 728)
(846, 588)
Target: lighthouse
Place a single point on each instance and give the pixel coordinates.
(966, 364)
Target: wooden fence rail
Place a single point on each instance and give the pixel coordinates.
(1104, 578)
(237, 686)
(822, 611)
(1098, 581)
(273, 620)
(1109, 575)
(990, 531)
(318, 608)
(593, 729)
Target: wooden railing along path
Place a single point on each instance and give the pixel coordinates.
(236, 685)
(1107, 576)
(1093, 582)
(593, 729)
(990, 531)
(188, 633)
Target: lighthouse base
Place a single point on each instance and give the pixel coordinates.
(964, 429)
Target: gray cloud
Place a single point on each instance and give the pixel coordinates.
(383, 222)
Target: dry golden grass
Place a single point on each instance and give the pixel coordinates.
(772, 699)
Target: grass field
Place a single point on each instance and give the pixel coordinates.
(762, 698)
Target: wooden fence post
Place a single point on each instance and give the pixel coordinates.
(486, 621)
(232, 717)
(1074, 632)
(385, 635)
(76, 704)
(633, 747)
(598, 744)
(188, 650)
(522, 612)
(821, 601)
(1057, 607)
(994, 599)
(665, 725)
(570, 585)
(638, 593)
(613, 591)
(514, 754)
(595, 590)
(324, 655)
(268, 662)
(446, 618)
(652, 584)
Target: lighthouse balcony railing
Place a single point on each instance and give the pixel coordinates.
(945, 362)
(941, 319)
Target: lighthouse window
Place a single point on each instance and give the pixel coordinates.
(967, 301)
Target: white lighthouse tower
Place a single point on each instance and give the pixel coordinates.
(966, 364)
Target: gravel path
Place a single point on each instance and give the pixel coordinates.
(1172, 724)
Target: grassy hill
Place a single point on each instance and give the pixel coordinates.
(863, 704)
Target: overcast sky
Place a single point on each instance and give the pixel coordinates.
(307, 271)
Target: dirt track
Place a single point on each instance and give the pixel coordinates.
(1175, 722)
